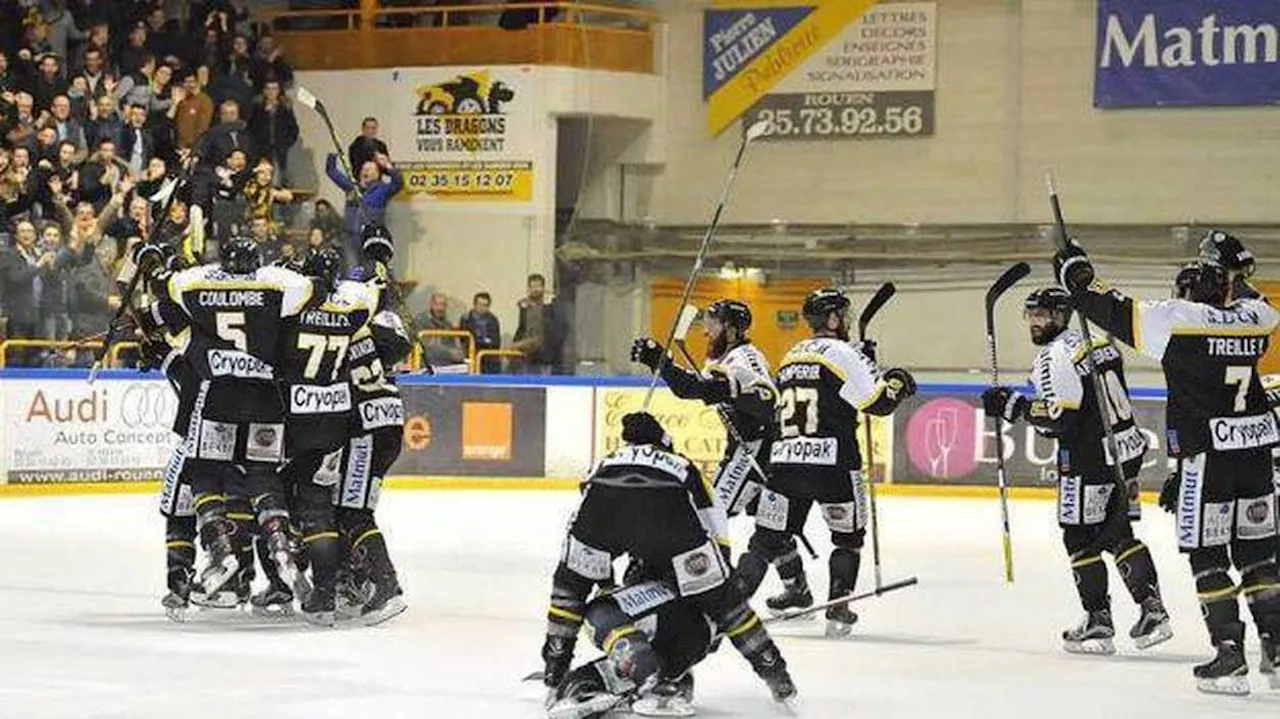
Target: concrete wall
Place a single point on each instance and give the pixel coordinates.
(1014, 96)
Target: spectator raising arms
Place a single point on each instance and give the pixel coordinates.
(366, 201)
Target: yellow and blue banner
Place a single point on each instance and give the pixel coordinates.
(749, 46)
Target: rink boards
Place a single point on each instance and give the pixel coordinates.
(63, 435)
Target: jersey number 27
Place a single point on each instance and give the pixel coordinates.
(798, 412)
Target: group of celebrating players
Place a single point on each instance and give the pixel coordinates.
(792, 443)
(289, 419)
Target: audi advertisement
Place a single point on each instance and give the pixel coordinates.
(71, 431)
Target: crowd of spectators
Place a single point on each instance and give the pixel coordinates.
(104, 106)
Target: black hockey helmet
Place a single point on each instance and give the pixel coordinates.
(376, 243)
(1223, 259)
(1057, 302)
(819, 305)
(1186, 281)
(240, 255)
(643, 428)
(731, 313)
(325, 265)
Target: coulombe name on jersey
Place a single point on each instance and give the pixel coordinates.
(232, 298)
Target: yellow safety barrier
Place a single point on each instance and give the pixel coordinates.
(113, 357)
(482, 355)
(582, 35)
(425, 335)
(8, 345)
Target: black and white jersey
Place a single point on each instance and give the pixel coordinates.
(315, 368)
(373, 353)
(228, 326)
(653, 475)
(822, 385)
(1210, 358)
(1066, 405)
(752, 401)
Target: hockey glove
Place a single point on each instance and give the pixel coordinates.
(899, 384)
(647, 352)
(1169, 493)
(1073, 268)
(151, 355)
(1003, 402)
(557, 655)
(867, 348)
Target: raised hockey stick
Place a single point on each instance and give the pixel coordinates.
(1010, 278)
(788, 616)
(1099, 386)
(878, 300)
(305, 97)
(729, 426)
(754, 132)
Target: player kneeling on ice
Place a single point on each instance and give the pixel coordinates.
(1221, 431)
(1093, 511)
(680, 634)
(823, 383)
(737, 381)
(648, 502)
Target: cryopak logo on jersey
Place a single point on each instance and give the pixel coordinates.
(1230, 433)
(943, 439)
(1132, 444)
(313, 399)
(234, 363)
(387, 412)
(824, 451)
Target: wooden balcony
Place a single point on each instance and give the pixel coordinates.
(570, 34)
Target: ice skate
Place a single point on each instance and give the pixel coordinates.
(274, 601)
(221, 567)
(1152, 627)
(665, 699)
(178, 601)
(1270, 661)
(351, 596)
(840, 621)
(793, 597)
(319, 608)
(387, 602)
(1227, 673)
(590, 704)
(1094, 635)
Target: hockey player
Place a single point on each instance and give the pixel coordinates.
(224, 319)
(823, 383)
(737, 381)
(1093, 511)
(316, 374)
(1222, 432)
(371, 591)
(680, 634)
(650, 503)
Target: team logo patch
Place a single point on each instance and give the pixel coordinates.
(697, 565)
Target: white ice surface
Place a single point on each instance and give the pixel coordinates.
(82, 633)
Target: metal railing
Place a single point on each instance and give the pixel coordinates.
(482, 355)
(417, 358)
(8, 345)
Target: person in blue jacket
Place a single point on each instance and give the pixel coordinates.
(367, 199)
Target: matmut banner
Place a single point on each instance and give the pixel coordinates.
(1163, 53)
(749, 46)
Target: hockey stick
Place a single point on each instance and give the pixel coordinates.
(754, 132)
(305, 97)
(169, 194)
(788, 616)
(737, 438)
(1010, 278)
(878, 300)
(1099, 387)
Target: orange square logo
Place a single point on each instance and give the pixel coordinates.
(486, 430)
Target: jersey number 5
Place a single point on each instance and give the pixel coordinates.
(797, 401)
(231, 329)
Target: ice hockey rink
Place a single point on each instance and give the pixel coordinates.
(82, 633)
